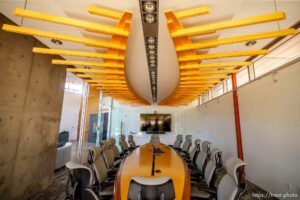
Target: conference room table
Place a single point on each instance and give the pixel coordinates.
(140, 163)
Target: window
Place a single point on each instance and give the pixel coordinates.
(242, 76)
(217, 90)
(229, 84)
(73, 87)
(285, 53)
(206, 97)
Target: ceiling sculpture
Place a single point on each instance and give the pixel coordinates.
(197, 77)
(108, 74)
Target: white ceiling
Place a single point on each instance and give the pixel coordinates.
(136, 65)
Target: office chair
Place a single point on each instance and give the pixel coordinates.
(109, 157)
(131, 142)
(209, 173)
(177, 142)
(154, 139)
(201, 160)
(229, 187)
(187, 144)
(103, 181)
(148, 188)
(123, 144)
(80, 178)
(190, 158)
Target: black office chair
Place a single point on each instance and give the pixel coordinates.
(80, 179)
(145, 188)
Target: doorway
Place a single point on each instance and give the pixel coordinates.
(92, 134)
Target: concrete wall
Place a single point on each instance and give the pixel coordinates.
(269, 114)
(70, 114)
(31, 95)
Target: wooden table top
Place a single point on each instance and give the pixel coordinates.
(139, 163)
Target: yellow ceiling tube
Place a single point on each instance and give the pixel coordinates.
(244, 38)
(103, 76)
(199, 72)
(216, 65)
(200, 81)
(86, 41)
(105, 12)
(192, 12)
(84, 63)
(100, 71)
(90, 26)
(77, 53)
(198, 84)
(224, 55)
(104, 81)
(203, 77)
(198, 30)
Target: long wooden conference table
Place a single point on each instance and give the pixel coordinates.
(140, 163)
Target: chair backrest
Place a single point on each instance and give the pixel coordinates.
(107, 153)
(157, 188)
(82, 177)
(88, 194)
(178, 141)
(114, 147)
(155, 139)
(195, 150)
(187, 143)
(229, 185)
(211, 166)
(131, 141)
(203, 155)
(123, 143)
(98, 164)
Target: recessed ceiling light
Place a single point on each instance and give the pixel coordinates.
(250, 43)
(151, 40)
(149, 18)
(151, 46)
(152, 56)
(57, 42)
(152, 61)
(151, 52)
(149, 6)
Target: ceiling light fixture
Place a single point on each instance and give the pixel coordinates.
(151, 40)
(151, 46)
(57, 42)
(151, 52)
(149, 6)
(149, 18)
(250, 43)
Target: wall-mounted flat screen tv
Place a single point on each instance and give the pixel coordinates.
(155, 123)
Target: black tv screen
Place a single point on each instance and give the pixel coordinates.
(155, 122)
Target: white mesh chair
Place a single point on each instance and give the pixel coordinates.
(177, 142)
(131, 142)
(212, 164)
(114, 148)
(229, 184)
(102, 180)
(187, 144)
(109, 157)
(151, 188)
(123, 144)
(190, 158)
(80, 179)
(201, 159)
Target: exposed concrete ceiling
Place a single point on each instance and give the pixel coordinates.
(136, 64)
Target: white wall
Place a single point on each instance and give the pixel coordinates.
(270, 124)
(70, 114)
